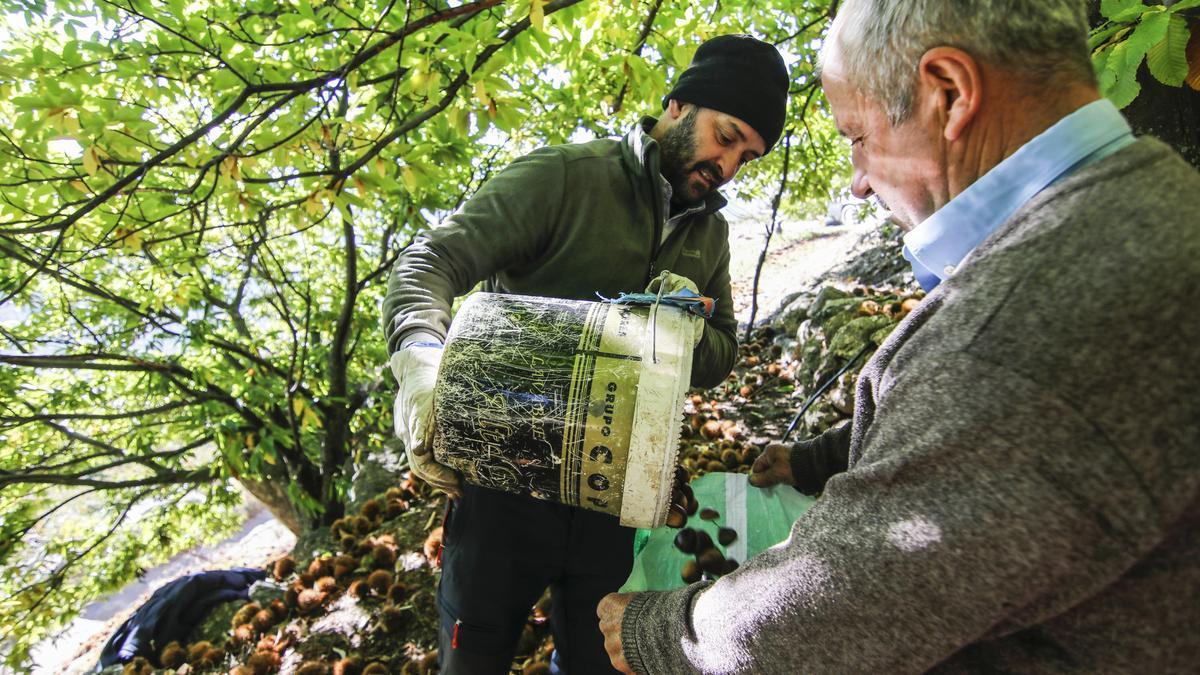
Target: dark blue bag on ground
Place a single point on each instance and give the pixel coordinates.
(173, 611)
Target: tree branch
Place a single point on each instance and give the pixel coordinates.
(762, 256)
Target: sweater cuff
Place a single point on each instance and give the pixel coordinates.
(629, 641)
(816, 460)
(655, 625)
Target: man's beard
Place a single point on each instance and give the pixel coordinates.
(677, 149)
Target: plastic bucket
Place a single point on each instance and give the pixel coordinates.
(568, 401)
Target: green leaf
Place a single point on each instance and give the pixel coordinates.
(1182, 5)
(1119, 80)
(1124, 91)
(1100, 66)
(1150, 31)
(683, 55)
(1167, 58)
(70, 53)
(1121, 10)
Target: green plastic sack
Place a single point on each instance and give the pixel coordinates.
(761, 517)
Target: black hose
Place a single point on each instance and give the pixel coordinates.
(821, 390)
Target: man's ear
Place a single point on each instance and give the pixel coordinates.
(953, 78)
(674, 108)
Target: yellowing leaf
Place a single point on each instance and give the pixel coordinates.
(1193, 58)
(313, 205)
(297, 406)
(481, 93)
(420, 80)
(64, 120)
(537, 14)
(380, 167)
(458, 120)
(129, 239)
(229, 168)
(361, 187)
(91, 160)
(433, 84)
(410, 178)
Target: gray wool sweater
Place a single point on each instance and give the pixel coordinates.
(1023, 467)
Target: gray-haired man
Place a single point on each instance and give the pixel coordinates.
(1020, 485)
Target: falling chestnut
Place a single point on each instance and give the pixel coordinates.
(686, 540)
(711, 561)
(726, 536)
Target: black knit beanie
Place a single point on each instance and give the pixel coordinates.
(741, 76)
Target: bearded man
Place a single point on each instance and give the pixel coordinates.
(569, 221)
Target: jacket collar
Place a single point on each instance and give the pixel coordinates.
(641, 154)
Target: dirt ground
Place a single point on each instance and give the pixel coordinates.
(799, 253)
(76, 650)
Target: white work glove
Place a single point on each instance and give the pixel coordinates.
(416, 369)
(669, 283)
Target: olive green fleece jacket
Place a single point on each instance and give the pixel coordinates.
(568, 221)
(1021, 491)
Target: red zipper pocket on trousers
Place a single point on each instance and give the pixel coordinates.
(454, 637)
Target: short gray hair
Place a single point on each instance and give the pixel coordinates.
(880, 42)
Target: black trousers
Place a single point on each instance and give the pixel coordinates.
(501, 552)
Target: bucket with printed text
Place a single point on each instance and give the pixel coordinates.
(568, 401)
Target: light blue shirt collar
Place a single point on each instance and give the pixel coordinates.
(937, 246)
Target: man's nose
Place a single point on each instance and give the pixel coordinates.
(860, 187)
(727, 167)
(730, 163)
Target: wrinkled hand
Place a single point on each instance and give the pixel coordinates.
(432, 548)
(773, 467)
(670, 282)
(416, 370)
(611, 611)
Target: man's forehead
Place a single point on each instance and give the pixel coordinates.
(844, 99)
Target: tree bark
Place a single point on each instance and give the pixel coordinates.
(273, 494)
(1170, 114)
